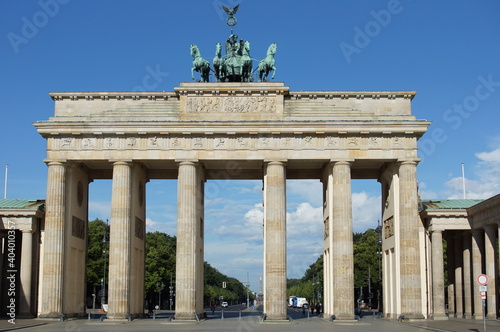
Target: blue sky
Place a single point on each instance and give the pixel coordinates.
(447, 51)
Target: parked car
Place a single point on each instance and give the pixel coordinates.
(224, 304)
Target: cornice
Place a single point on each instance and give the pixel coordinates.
(102, 96)
(351, 94)
(233, 89)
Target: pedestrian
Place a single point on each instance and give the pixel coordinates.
(150, 308)
(304, 310)
(212, 305)
(312, 309)
(318, 308)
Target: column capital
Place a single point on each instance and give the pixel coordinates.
(55, 163)
(275, 162)
(408, 161)
(436, 231)
(183, 162)
(121, 162)
(347, 162)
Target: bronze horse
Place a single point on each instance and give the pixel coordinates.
(199, 64)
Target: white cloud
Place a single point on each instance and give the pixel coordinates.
(426, 194)
(305, 190)
(305, 221)
(99, 209)
(487, 184)
(366, 210)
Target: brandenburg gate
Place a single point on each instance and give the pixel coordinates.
(249, 130)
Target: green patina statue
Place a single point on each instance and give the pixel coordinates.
(199, 64)
(237, 66)
(266, 65)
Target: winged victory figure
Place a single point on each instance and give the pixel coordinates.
(230, 11)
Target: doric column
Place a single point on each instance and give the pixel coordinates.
(51, 288)
(119, 242)
(275, 240)
(491, 270)
(26, 273)
(438, 311)
(467, 275)
(188, 236)
(459, 283)
(342, 242)
(411, 297)
(450, 264)
(477, 269)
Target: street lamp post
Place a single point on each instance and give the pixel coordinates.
(314, 283)
(105, 241)
(159, 287)
(379, 254)
(171, 292)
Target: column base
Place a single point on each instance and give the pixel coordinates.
(118, 316)
(408, 317)
(344, 319)
(276, 318)
(440, 317)
(50, 315)
(188, 316)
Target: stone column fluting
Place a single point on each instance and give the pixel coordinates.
(186, 241)
(26, 273)
(491, 270)
(467, 275)
(450, 265)
(119, 242)
(411, 296)
(275, 241)
(477, 269)
(52, 275)
(459, 288)
(342, 242)
(438, 300)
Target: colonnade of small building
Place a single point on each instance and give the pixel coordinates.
(470, 229)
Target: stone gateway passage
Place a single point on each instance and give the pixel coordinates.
(245, 130)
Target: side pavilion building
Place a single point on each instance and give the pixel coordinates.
(470, 230)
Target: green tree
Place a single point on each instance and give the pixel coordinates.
(96, 251)
(366, 249)
(159, 264)
(310, 285)
(213, 279)
(367, 265)
(366, 259)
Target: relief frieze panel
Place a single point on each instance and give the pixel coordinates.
(198, 143)
(217, 104)
(389, 227)
(110, 143)
(88, 143)
(236, 142)
(67, 143)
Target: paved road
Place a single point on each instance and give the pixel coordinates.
(249, 322)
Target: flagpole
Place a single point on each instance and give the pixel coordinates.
(463, 180)
(5, 183)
